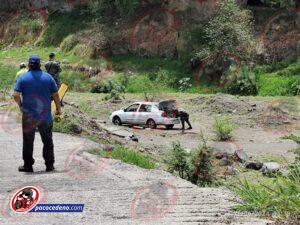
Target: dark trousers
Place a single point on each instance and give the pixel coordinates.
(29, 126)
(184, 119)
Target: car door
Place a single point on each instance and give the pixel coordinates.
(130, 113)
(144, 113)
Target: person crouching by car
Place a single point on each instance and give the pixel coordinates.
(184, 118)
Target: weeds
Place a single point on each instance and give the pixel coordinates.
(223, 128)
(279, 199)
(293, 138)
(128, 156)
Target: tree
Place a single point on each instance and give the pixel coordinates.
(229, 30)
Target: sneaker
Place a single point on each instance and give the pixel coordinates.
(26, 169)
(190, 128)
(50, 168)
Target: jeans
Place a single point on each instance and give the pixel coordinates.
(29, 126)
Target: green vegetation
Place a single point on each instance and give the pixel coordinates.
(279, 79)
(223, 128)
(60, 25)
(280, 3)
(107, 8)
(279, 199)
(67, 126)
(128, 156)
(293, 137)
(195, 166)
(219, 42)
(176, 161)
(244, 84)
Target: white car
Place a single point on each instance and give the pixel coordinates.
(150, 114)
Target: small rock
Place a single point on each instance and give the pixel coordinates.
(224, 161)
(241, 155)
(285, 172)
(134, 138)
(75, 129)
(231, 170)
(220, 155)
(286, 122)
(270, 167)
(253, 165)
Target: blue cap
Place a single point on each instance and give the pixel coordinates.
(34, 59)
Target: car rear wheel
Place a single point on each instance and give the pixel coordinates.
(117, 121)
(151, 124)
(169, 127)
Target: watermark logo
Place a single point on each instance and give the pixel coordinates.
(154, 202)
(13, 206)
(25, 199)
(278, 117)
(81, 166)
(216, 71)
(31, 118)
(154, 28)
(207, 5)
(282, 29)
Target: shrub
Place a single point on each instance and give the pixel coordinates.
(67, 125)
(115, 91)
(195, 167)
(68, 43)
(200, 164)
(272, 85)
(184, 84)
(140, 84)
(295, 87)
(165, 78)
(101, 87)
(223, 128)
(244, 84)
(176, 160)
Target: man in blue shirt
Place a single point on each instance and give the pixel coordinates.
(33, 92)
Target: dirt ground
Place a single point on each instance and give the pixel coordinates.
(260, 122)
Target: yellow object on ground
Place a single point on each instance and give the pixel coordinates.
(61, 94)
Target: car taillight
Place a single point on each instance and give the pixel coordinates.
(164, 114)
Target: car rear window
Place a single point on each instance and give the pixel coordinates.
(166, 105)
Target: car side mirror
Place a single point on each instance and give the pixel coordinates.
(124, 110)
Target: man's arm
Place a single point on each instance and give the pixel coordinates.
(17, 98)
(57, 103)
